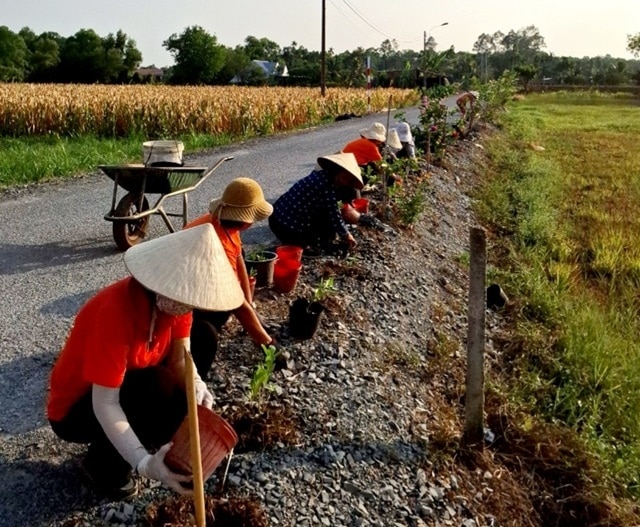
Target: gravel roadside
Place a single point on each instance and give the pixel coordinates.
(365, 399)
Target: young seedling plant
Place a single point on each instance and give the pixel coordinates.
(262, 376)
(257, 255)
(324, 289)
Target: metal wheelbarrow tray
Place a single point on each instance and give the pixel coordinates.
(130, 216)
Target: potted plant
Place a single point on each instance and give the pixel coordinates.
(263, 262)
(304, 314)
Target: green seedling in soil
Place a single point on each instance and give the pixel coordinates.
(253, 272)
(257, 255)
(324, 289)
(262, 376)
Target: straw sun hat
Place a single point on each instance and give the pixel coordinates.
(343, 161)
(188, 266)
(376, 131)
(243, 201)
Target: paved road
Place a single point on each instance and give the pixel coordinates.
(56, 250)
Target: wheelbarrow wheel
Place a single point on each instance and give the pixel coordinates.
(129, 233)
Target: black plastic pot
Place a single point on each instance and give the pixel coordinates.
(264, 268)
(304, 317)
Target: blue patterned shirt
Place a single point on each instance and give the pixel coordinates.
(312, 197)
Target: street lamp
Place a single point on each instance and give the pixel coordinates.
(427, 36)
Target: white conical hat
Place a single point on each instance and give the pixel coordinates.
(394, 139)
(347, 162)
(188, 266)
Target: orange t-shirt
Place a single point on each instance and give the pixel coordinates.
(110, 335)
(230, 238)
(365, 151)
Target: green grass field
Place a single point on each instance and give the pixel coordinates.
(565, 219)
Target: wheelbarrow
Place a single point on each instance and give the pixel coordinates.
(130, 217)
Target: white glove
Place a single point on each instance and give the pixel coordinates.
(153, 467)
(203, 395)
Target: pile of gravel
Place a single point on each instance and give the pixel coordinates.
(361, 456)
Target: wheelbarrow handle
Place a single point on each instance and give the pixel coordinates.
(218, 163)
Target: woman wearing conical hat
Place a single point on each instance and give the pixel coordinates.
(119, 382)
(307, 215)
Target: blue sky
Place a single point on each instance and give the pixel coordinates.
(570, 27)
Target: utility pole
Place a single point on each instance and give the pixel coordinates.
(323, 60)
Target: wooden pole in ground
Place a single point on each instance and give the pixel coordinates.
(194, 441)
(474, 400)
(385, 197)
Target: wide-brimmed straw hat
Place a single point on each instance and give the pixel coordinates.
(188, 266)
(343, 161)
(243, 201)
(404, 133)
(376, 131)
(394, 140)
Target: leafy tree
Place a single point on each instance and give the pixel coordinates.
(45, 57)
(198, 56)
(526, 72)
(235, 62)
(304, 65)
(350, 67)
(261, 49)
(82, 58)
(13, 56)
(633, 44)
(521, 46)
(437, 63)
(121, 57)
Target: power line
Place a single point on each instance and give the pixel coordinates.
(361, 17)
(368, 23)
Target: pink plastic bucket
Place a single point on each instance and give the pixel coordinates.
(217, 439)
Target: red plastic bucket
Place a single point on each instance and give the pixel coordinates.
(217, 439)
(285, 275)
(289, 252)
(361, 205)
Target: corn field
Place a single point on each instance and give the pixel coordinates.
(167, 111)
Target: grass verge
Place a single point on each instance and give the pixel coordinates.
(31, 160)
(566, 248)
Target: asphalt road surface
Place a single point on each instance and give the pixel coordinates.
(56, 250)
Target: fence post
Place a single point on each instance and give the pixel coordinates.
(474, 400)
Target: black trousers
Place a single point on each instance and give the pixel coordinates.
(205, 334)
(154, 404)
(319, 232)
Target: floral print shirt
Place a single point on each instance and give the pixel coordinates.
(311, 198)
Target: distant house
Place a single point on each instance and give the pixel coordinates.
(150, 74)
(268, 71)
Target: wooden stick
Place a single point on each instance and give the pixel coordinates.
(194, 441)
(474, 400)
(386, 149)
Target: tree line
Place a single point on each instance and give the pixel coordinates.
(199, 59)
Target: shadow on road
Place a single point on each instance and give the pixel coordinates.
(67, 306)
(40, 492)
(23, 389)
(16, 259)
